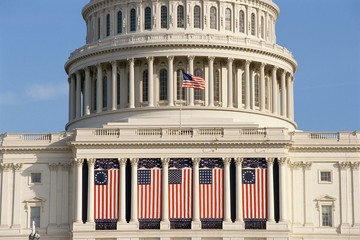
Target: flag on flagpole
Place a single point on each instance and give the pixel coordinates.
(191, 81)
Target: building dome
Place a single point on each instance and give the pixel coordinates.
(130, 71)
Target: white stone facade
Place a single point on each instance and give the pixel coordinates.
(139, 111)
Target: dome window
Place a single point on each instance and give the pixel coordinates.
(241, 21)
(148, 18)
(180, 17)
(119, 22)
(228, 19)
(213, 18)
(133, 20)
(196, 17)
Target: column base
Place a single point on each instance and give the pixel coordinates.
(52, 229)
(122, 225)
(240, 225)
(228, 225)
(80, 226)
(165, 225)
(277, 226)
(355, 229)
(132, 225)
(345, 228)
(4, 226)
(196, 225)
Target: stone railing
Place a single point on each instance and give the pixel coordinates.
(106, 132)
(326, 138)
(35, 139)
(149, 132)
(325, 135)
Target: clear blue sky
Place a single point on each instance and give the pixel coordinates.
(37, 36)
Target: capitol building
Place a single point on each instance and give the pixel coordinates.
(144, 157)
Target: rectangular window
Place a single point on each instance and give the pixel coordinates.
(35, 216)
(35, 177)
(326, 216)
(325, 177)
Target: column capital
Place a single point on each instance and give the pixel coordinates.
(170, 58)
(344, 165)
(99, 65)
(239, 161)
(53, 166)
(191, 58)
(130, 60)
(306, 165)
(230, 60)
(282, 161)
(270, 161)
(165, 161)
(275, 68)
(79, 161)
(295, 165)
(150, 59)
(227, 161)
(113, 63)
(122, 161)
(262, 65)
(355, 165)
(87, 69)
(65, 166)
(196, 161)
(6, 166)
(247, 63)
(211, 59)
(91, 161)
(17, 166)
(134, 161)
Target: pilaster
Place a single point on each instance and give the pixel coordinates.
(344, 197)
(17, 210)
(5, 197)
(356, 194)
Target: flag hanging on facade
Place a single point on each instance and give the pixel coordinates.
(192, 81)
(180, 189)
(106, 199)
(211, 188)
(254, 187)
(149, 189)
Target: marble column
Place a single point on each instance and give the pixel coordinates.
(90, 196)
(5, 197)
(78, 186)
(344, 223)
(196, 224)
(53, 199)
(87, 94)
(191, 90)
(230, 82)
(274, 91)
(308, 200)
(72, 98)
(282, 189)
(114, 85)
(211, 81)
(122, 192)
(99, 89)
(170, 80)
(270, 189)
(288, 96)
(78, 95)
(292, 98)
(356, 193)
(227, 197)
(131, 62)
(239, 87)
(262, 87)
(283, 94)
(134, 213)
(65, 196)
(247, 85)
(17, 196)
(165, 223)
(151, 80)
(239, 203)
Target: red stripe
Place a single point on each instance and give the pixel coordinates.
(95, 202)
(189, 192)
(243, 197)
(109, 191)
(154, 197)
(138, 200)
(266, 194)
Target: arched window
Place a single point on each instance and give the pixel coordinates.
(180, 17)
(133, 20)
(180, 91)
(253, 24)
(98, 29)
(119, 22)
(105, 92)
(262, 27)
(228, 19)
(147, 18)
(197, 17)
(118, 89)
(145, 86)
(163, 84)
(164, 21)
(198, 93)
(256, 88)
(108, 25)
(243, 88)
(217, 85)
(241, 21)
(213, 19)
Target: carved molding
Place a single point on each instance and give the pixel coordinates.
(355, 165)
(344, 165)
(78, 162)
(270, 161)
(122, 161)
(196, 161)
(91, 162)
(227, 161)
(17, 166)
(65, 166)
(165, 161)
(53, 166)
(307, 165)
(282, 161)
(134, 161)
(239, 161)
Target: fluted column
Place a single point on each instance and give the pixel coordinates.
(196, 224)
(165, 223)
(134, 212)
(151, 80)
(230, 82)
(5, 201)
(343, 167)
(78, 95)
(247, 84)
(283, 94)
(72, 98)
(65, 194)
(227, 203)
(282, 189)
(122, 192)
(239, 87)
(239, 203)
(53, 199)
(17, 195)
(78, 186)
(131, 83)
(262, 87)
(356, 193)
(191, 90)
(211, 81)
(114, 85)
(292, 99)
(308, 194)
(274, 91)
(90, 196)
(99, 89)
(170, 80)
(87, 94)
(288, 96)
(270, 188)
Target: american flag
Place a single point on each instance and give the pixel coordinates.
(211, 193)
(191, 81)
(106, 199)
(149, 193)
(180, 193)
(254, 189)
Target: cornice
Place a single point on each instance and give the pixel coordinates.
(33, 149)
(333, 148)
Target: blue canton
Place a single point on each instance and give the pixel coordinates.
(175, 176)
(205, 176)
(144, 177)
(101, 177)
(248, 176)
